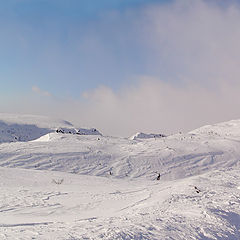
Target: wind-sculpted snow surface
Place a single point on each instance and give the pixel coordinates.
(33, 206)
(175, 157)
(114, 192)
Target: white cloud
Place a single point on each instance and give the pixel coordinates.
(37, 90)
(197, 44)
(155, 106)
(197, 40)
(150, 106)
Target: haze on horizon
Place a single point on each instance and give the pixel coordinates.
(158, 66)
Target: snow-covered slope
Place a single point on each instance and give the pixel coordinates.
(113, 193)
(39, 121)
(225, 129)
(23, 128)
(175, 157)
(34, 206)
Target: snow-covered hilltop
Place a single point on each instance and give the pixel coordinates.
(23, 128)
(141, 135)
(90, 186)
(39, 121)
(225, 129)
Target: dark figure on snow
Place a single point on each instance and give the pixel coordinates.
(158, 178)
(197, 190)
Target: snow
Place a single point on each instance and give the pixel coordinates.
(59, 186)
(79, 131)
(141, 135)
(89, 207)
(24, 128)
(39, 121)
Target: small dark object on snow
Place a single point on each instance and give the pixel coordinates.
(59, 131)
(98, 139)
(58, 181)
(110, 173)
(158, 178)
(197, 190)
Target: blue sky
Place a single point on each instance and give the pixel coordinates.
(128, 65)
(73, 44)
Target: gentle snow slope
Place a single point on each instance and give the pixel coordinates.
(87, 207)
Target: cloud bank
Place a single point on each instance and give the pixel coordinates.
(192, 50)
(155, 106)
